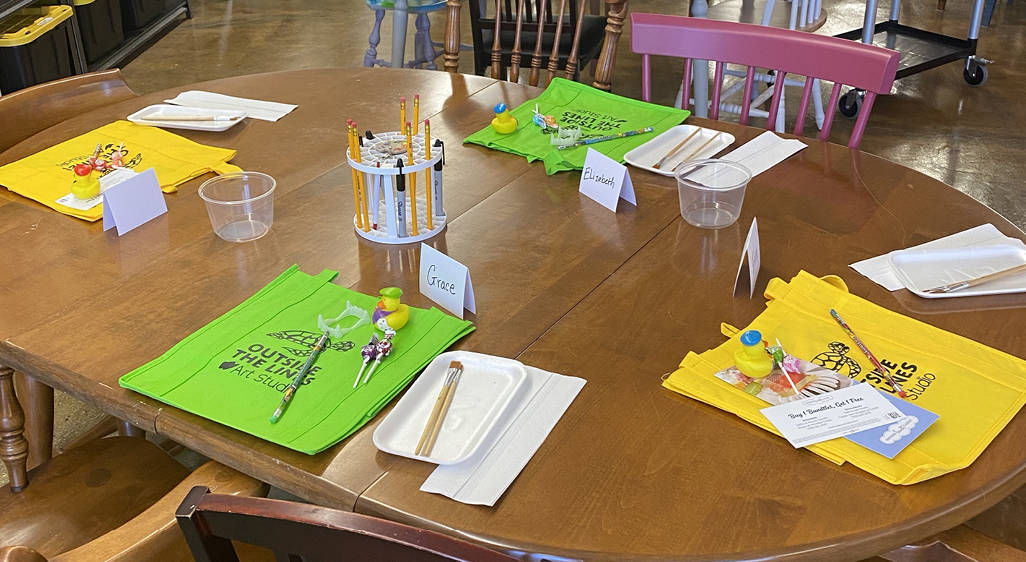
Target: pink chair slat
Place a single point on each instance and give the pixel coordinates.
(862, 120)
(778, 92)
(746, 99)
(686, 97)
(831, 108)
(714, 112)
(799, 123)
(866, 67)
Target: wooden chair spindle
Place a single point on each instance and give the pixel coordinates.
(685, 97)
(714, 111)
(496, 45)
(514, 60)
(799, 122)
(536, 58)
(571, 61)
(553, 65)
(13, 446)
(831, 107)
(778, 92)
(451, 55)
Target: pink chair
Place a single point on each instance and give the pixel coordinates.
(865, 67)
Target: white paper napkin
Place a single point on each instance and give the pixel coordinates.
(259, 109)
(879, 270)
(483, 478)
(763, 152)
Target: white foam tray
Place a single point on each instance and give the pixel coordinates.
(921, 269)
(646, 155)
(486, 389)
(164, 109)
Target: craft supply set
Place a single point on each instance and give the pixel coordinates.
(386, 166)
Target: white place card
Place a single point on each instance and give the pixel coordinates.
(133, 202)
(606, 181)
(831, 415)
(446, 281)
(752, 255)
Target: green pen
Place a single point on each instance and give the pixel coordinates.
(291, 390)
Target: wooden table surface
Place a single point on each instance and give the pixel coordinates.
(561, 283)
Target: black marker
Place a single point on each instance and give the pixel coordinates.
(369, 135)
(400, 203)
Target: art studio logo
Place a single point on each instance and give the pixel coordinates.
(128, 159)
(275, 368)
(906, 374)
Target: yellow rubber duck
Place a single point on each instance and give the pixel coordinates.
(389, 314)
(86, 184)
(504, 122)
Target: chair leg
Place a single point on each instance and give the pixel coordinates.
(988, 11)
(36, 399)
(371, 56)
(13, 447)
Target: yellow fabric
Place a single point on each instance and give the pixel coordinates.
(975, 389)
(47, 175)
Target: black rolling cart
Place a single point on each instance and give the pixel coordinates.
(920, 49)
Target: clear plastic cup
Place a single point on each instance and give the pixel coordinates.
(711, 192)
(240, 205)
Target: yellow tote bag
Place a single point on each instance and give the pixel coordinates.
(46, 176)
(975, 389)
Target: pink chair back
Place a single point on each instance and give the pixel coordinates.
(840, 61)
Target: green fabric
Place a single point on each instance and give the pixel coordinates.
(595, 111)
(216, 372)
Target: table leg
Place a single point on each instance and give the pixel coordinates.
(371, 56)
(400, 18)
(13, 447)
(36, 399)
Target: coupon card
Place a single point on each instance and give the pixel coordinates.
(831, 415)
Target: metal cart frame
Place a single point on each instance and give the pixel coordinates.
(920, 49)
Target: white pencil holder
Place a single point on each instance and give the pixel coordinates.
(392, 218)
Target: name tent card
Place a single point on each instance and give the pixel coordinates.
(606, 181)
(751, 254)
(133, 202)
(446, 281)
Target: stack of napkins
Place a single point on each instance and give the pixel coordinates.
(763, 152)
(879, 269)
(258, 109)
(484, 477)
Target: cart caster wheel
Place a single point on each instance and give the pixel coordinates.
(850, 104)
(975, 78)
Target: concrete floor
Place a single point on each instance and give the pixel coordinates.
(970, 138)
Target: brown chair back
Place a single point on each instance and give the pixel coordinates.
(28, 111)
(554, 34)
(309, 532)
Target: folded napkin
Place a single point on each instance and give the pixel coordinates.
(879, 270)
(258, 109)
(763, 152)
(483, 478)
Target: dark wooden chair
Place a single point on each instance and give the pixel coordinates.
(28, 111)
(100, 500)
(522, 33)
(297, 531)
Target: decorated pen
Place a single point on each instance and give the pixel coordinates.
(869, 354)
(594, 140)
(296, 382)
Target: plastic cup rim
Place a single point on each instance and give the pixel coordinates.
(692, 164)
(231, 175)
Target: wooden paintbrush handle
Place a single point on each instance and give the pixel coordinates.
(433, 419)
(996, 275)
(441, 420)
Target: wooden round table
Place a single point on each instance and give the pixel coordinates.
(632, 470)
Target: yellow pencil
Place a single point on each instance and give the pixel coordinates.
(363, 186)
(416, 113)
(427, 172)
(356, 183)
(413, 178)
(402, 114)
